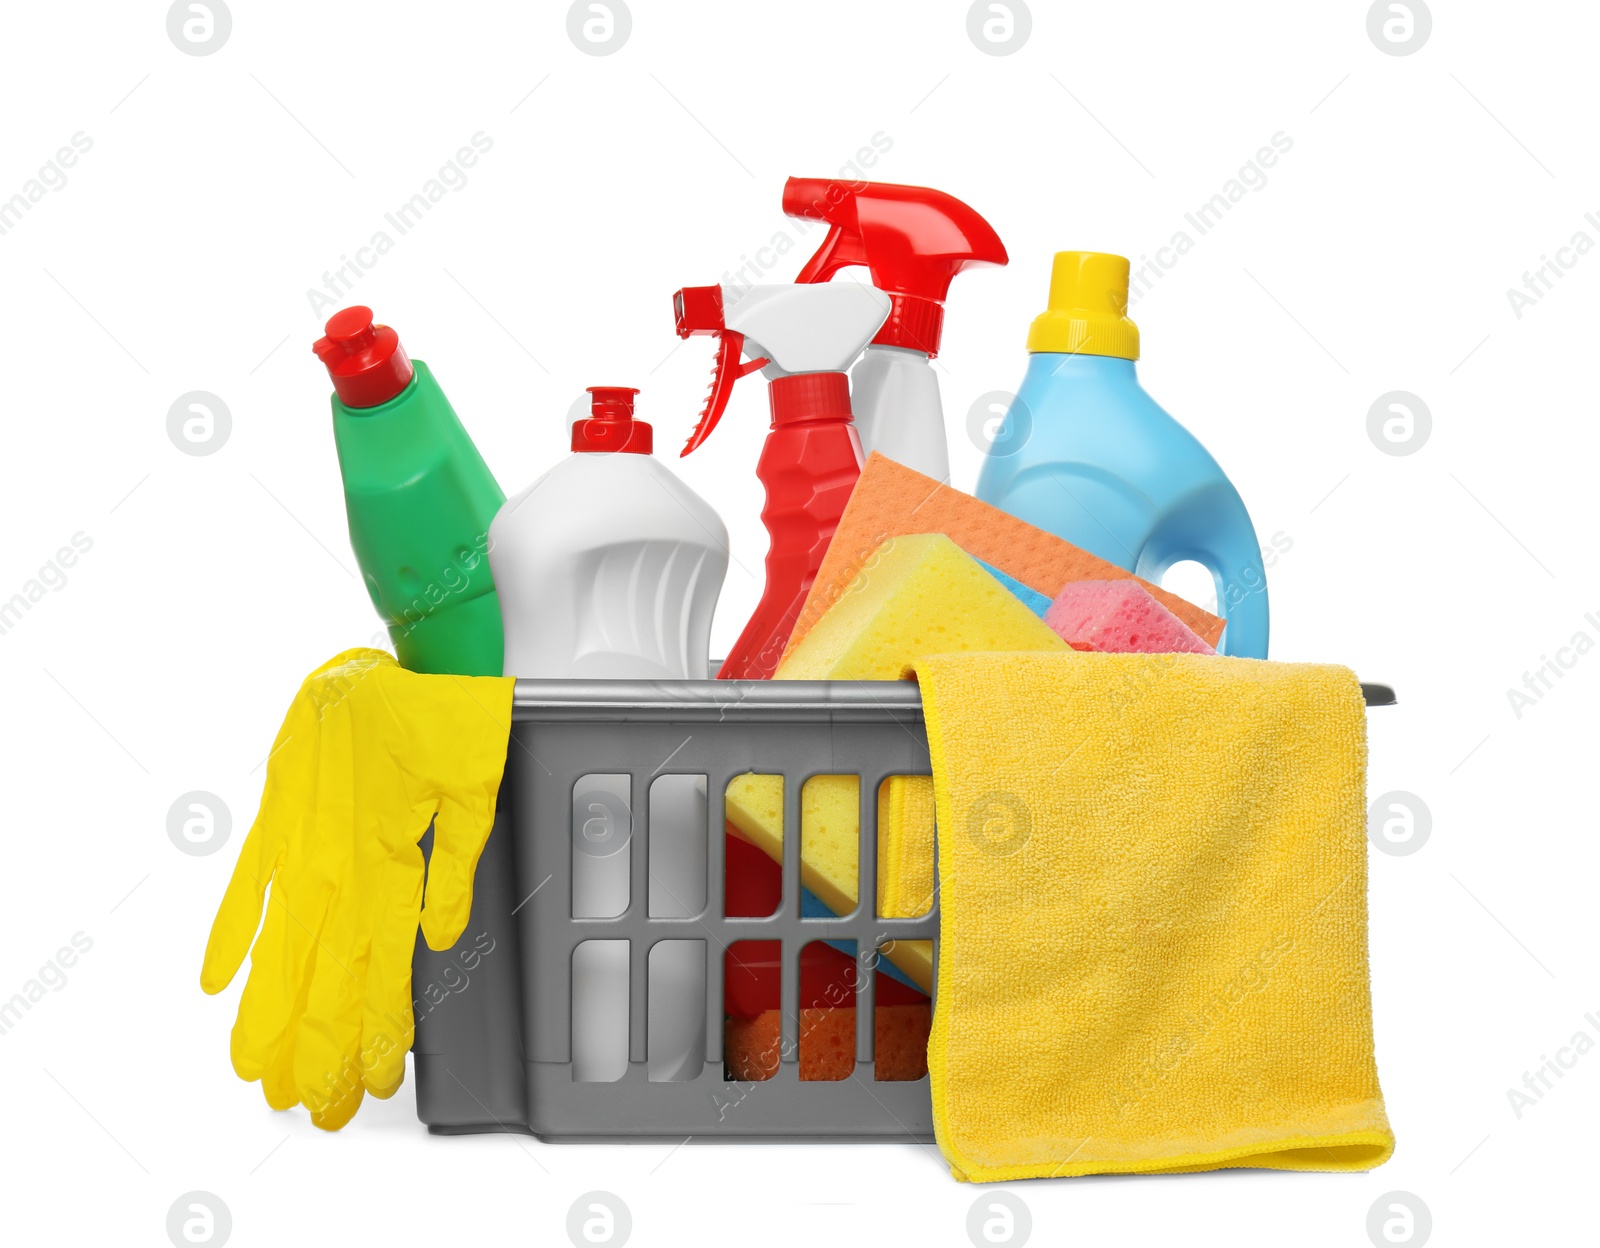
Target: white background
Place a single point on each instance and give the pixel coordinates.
(1377, 257)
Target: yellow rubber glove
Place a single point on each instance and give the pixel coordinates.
(368, 755)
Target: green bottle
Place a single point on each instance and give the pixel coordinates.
(419, 499)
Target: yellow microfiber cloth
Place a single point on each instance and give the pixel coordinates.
(905, 847)
(1153, 890)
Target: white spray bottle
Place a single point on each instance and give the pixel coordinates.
(802, 338)
(914, 241)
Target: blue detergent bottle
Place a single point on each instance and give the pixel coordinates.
(1086, 454)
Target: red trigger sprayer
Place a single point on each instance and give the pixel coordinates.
(803, 338)
(914, 241)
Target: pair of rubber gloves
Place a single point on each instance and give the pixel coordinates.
(368, 756)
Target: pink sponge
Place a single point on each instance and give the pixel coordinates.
(1119, 617)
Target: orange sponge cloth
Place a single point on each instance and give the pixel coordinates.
(891, 500)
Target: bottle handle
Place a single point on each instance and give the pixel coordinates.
(1242, 601)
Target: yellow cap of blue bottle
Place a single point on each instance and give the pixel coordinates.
(1088, 309)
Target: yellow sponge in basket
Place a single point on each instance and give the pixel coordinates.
(828, 813)
(916, 595)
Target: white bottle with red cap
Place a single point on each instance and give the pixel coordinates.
(608, 567)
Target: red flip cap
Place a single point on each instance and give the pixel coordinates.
(611, 426)
(913, 239)
(366, 361)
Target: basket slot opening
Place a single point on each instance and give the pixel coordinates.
(828, 978)
(752, 1033)
(602, 850)
(752, 882)
(676, 1010)
(903, 1013)
(599, 1011)
(830, 814)
(905, 847)
(678, 848)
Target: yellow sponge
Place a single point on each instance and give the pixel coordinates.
(829, 839)
(829, 817)
(916, 595)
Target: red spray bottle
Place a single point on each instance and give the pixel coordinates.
(914, 241)
(803, 338)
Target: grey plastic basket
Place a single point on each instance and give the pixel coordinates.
(493, 1047)
(478, 1068)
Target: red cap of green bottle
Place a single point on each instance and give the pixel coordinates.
(366, 361)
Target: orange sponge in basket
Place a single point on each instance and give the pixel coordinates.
(828, 1043)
